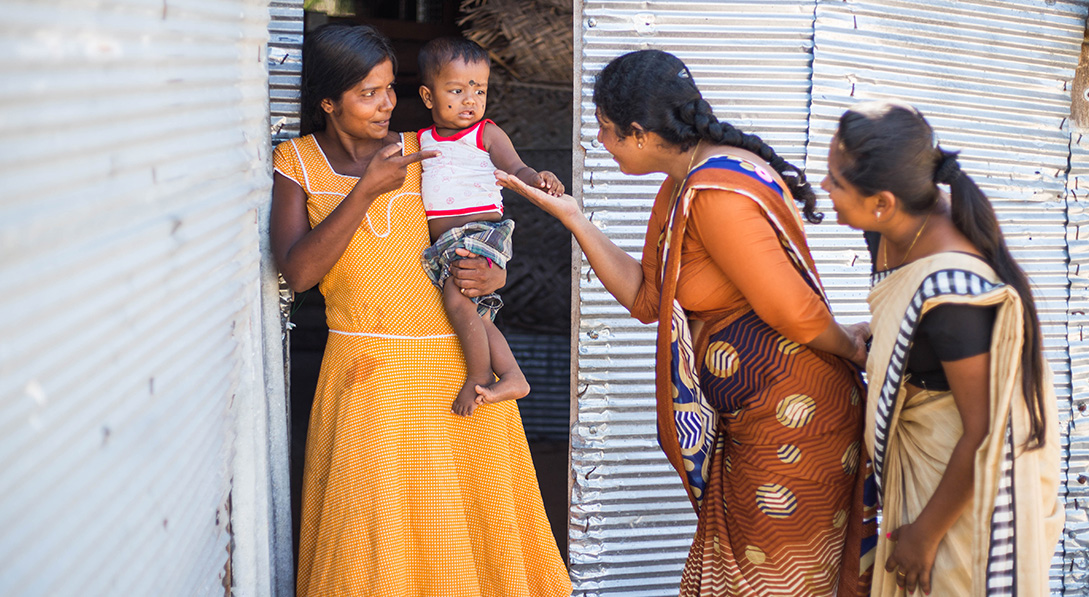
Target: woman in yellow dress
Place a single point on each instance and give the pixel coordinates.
(961, 413)
(400, 496)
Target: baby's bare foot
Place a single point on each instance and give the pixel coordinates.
(509, 387)
(466, 402)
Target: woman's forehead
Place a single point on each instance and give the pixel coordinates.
(379, 76)
(835, 150)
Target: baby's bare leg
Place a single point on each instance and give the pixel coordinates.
(512, 384)
(472, 335)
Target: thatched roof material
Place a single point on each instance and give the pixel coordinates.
(531, 39)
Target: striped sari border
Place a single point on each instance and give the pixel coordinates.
(1002, 559)
(941, 283)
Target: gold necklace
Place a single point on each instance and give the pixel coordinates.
(677, 186)
(884, 245)
(691, 160)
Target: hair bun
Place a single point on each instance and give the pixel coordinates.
(948, 168)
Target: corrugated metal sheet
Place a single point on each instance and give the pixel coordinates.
(285, 28)
(284, 60)
(284, 67)
(631, 525)
(135, 152)
(992, 76)
(1076, 538)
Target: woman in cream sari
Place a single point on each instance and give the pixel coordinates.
(961, 413)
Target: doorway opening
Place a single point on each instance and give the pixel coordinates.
(527, 81)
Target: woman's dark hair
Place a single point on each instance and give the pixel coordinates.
(887, 146)
(655, 89)
(336, 57)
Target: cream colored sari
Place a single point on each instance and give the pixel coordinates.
(1004, 542)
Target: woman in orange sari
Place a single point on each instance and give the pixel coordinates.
(761, 415)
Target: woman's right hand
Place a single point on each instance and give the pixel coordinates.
(388, 168)
(475, 275)
(860, 336)
(305, 255)
(564, 208)
(619, 272)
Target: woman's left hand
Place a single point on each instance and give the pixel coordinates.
(475, 275)
(912, 558)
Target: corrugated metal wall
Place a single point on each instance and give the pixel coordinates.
(135, 153)
(992, 76)
(284, 60)
(1076, 538)
(284, 67)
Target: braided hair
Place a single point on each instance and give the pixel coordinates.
(889, 146)
(655, 89)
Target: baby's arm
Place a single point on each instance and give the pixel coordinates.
(505, 158)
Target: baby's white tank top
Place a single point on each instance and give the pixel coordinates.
(461, 181)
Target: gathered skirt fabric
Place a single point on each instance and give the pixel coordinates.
(928, 429)
(401, 497)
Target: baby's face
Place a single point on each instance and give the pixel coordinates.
(458, 95)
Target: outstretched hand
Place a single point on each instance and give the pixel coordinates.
(561, 207)
(387, 169)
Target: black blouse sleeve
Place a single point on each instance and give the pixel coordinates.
(956, 332)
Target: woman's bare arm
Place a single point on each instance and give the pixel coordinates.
(847, 341)
(619, 272)
(916, 544)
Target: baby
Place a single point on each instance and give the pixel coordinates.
(464, 209)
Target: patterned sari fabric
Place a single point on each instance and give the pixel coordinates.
(1003, 544)
(765, 432)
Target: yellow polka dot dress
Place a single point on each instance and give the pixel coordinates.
(400, 496)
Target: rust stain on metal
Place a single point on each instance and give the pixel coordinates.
(226, 575)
